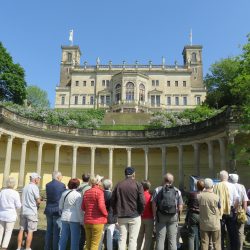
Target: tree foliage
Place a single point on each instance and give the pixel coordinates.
(37, 97)
(12, 82)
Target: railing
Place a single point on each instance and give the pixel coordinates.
(229, 115)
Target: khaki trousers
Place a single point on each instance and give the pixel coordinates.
(93, 235)
(6, 229)
(146, 232)
(215, 238)
(241, 236)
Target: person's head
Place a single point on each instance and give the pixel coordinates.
(74, 183)
(234, 178)
(200, 185)
(96, 180)
(223, 175)
(208, 183)
(107, 184)
(35, 178)
(11, 182)
(168, 179)
(85, 177)
(129, 172)
(56, 175)
(146, 185)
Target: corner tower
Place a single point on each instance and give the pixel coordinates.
(192, 57)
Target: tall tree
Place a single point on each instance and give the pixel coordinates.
(12, 78)
(37, 97)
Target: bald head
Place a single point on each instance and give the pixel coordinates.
(168, 179)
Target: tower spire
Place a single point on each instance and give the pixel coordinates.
(71, 37)
(191, 37)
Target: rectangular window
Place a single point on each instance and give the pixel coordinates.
(108, 100)
(152, 100)
(103, 82)
(84, 83)
(63, 100)
(107, 83)
(158, 100)
(153, 82)
(176, 100)
(102, 99)
(157, 82)
(184, 84)
(83, 100)
(77, 83)
(92, 83)
(76, 100)
(198, 100)
(69, 57)
(91, 100)
(184, 100)
(176, 83)
(168, 83)
(169, 100)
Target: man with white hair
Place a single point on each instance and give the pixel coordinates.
(229, 200)
(28, 218)
(54, 190)
(167, 203)
(243, 199)
(209, 217)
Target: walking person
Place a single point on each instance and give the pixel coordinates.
(229, 201)
(167, 205)
(109, 228)
(128, 204)
(71, 216)
(9, 202)
(147, 220)
(54, 190)
(95, 213)
(209, 217)
(193, 217)
(29, 218)
(243, 199)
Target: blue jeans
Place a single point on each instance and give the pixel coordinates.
(71, 229)
(52, 233)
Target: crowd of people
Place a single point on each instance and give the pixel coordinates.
(91, 214)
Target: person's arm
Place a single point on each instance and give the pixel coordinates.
(37, 196)
(101, 203)
(18, 204)
(141, 200)
(154, 208)
(180, 203)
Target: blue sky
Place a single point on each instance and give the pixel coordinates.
(143, 30)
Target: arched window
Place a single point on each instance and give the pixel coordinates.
(142, 93)
(118, 92)
(194, 58)
(130, 91)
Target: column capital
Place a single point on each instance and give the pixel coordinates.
(111, 149)
(180, 146)
(58, 146)
(75, 147)
(128, 149)
(196, 145)
(93, 148)
(146, 149)
(24, 140)
(40, 143)
(163, 148)
(11, 137)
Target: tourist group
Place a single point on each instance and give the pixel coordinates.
(93, 215)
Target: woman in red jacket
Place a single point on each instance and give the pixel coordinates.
(95, 213)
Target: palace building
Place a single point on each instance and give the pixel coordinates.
(131, 88)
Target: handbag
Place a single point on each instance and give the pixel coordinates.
(241, 216)
(59, 220)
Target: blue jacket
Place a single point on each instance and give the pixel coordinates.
(54, 190)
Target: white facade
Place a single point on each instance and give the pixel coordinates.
(130, 88)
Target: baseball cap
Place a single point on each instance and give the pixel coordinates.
(35, 176)
(99, 178)
(234, 178)
(129, 170)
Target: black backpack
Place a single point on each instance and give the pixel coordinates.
(167, 200)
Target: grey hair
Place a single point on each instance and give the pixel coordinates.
(11, 182)
(208, 183)
(107, 184)
(223, 175)
(56, 174)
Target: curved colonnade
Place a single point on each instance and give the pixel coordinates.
(199, 149)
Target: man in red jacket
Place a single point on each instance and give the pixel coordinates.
(128, 204)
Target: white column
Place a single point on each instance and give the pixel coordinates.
(128, 157)
(163, 160)
(73, 174)
(6, 172)
(197, 158)
(210, 158)
(111, 163)
(57, 152)
(22, 163)
(180, 164)
(92, 165)
(39, 157)
(146, 162)
(222, 153)
(232, 153)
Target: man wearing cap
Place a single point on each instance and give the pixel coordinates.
(128, 204)
(28, 217)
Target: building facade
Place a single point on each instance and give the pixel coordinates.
(131, 88)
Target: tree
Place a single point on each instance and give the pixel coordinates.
(37, 97)
(12, 79)
(229, 80)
